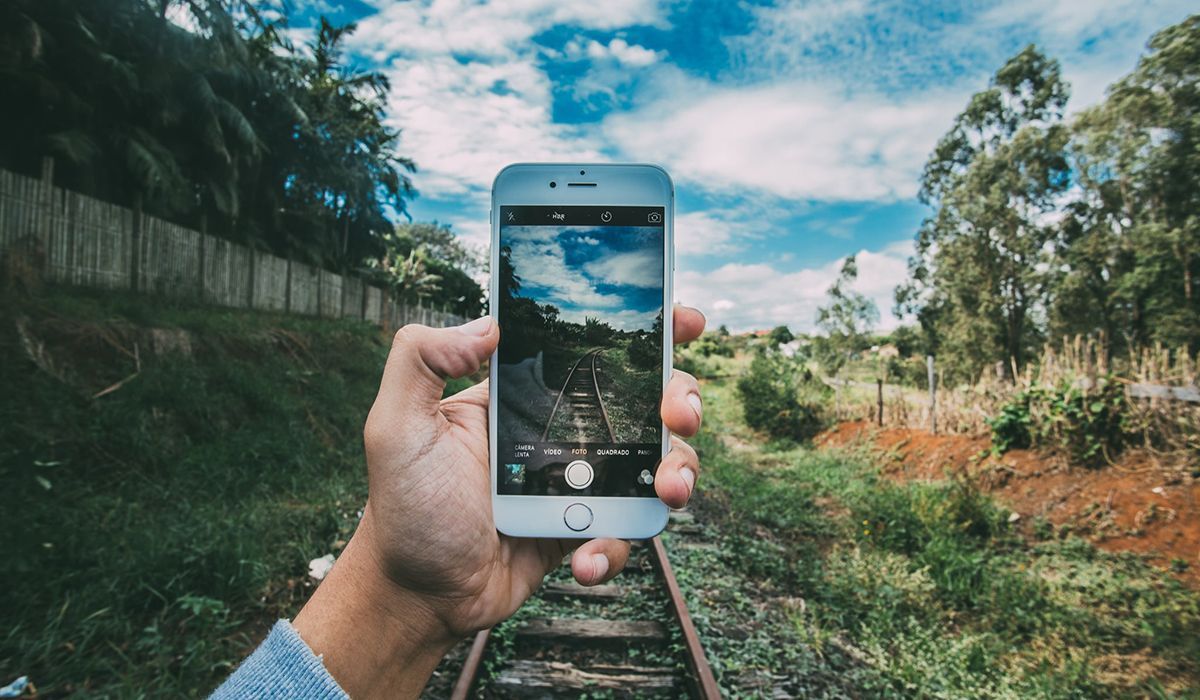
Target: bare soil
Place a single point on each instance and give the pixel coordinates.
(1132, 505)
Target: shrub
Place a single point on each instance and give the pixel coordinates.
(781, 400)
(1088, 425)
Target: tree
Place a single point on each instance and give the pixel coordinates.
(978, 281)
(202, 109)
(405, 268)
(846, 319)
(780, 335)
(1130, 243)
(443, 255)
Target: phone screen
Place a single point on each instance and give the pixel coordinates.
(580, 372)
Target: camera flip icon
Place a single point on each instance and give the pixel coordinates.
(654, 218)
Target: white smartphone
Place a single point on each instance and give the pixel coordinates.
(582, 260)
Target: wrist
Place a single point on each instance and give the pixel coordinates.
(375, 637)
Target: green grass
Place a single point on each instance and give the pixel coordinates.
(834, 582)
(155, 533)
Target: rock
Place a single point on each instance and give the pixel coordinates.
(319, 568)
(1014, 517)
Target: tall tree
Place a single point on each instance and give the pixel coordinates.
(1131, 241)
(202, 108)
(978, 280)
(846, 319)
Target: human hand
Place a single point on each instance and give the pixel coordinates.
(426, 559)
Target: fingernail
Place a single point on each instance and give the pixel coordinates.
(480, 326)
(694, 400)
(689, 477)
(599, 567)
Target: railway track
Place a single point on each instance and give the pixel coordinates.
(579, 414)
(633, 638)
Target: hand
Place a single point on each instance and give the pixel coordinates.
(426, 566)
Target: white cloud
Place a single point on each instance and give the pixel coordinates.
(714, 232)
(540, 261)
(794, 140)
(640, 268)
(624, 320)
(753, 296)
(467, 91)
(619, 50)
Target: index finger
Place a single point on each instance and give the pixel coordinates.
(688, 323)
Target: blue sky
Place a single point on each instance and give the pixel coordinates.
(795, 131)
(613, 273)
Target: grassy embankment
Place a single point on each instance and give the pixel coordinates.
(153, 534)
(829, 581)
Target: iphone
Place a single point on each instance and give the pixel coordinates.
(581, 266)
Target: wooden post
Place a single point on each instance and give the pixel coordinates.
(837, 398)
(203, 262)
(932, 393)
(250, 274)
(320, 294)
(287, 292)
(879, 402)
(135, 260)
(45, 227)
(363, 287)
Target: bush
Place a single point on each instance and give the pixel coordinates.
(782, 400)
(645, 351)
(1088, 425)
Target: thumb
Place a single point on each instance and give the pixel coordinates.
(423, 358)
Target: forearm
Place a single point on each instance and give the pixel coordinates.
(376, 639)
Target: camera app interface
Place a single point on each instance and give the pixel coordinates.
(579, 380)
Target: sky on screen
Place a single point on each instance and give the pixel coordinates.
(795, 131)
(612, 273)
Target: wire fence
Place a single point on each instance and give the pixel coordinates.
(78, 240)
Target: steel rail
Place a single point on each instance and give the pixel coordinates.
(701, 680)
(600, 399)
(563, 391)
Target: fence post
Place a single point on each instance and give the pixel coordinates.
(287, 292)
(932, 394)
(203, 262)
(250, 280)
(135, 260)
(879, 402)
(46, 225)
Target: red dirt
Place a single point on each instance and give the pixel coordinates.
(1132, 506)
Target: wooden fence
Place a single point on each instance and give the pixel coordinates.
(82, 241)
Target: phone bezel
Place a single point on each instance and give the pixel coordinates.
(616, 185)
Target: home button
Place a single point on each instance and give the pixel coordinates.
(578, 517)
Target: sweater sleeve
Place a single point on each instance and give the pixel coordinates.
(281, 667)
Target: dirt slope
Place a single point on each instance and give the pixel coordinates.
(1131, 506)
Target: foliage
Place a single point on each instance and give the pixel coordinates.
(1043, 229)
(204, 109)
(975, 282)
(165, 526)
(1130, 242)
(780, 335)
(912, 590)
(781, 399)
(645, 348)
(1089, 426)
(427, 261)
(846, 319)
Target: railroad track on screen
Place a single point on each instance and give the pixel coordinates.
(621, 638)
(580, 404)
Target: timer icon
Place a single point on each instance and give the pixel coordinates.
(606, 217)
